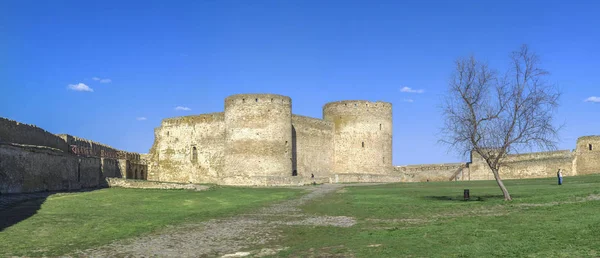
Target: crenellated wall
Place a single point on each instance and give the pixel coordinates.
(312, 146)
(16, 132)
(32, 159)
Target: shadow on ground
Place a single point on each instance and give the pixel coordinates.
(19, 212)
(15, 208)
(461, 198)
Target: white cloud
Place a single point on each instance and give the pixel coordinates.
(409, 90)
(408, 100)
(105, 80)
(593, 99)
(141, 118)
(80, 87)
(183, 108)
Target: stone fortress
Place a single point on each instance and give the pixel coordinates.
(256, 141)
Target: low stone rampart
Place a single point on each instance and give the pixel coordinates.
(273, 180)
(142, 184)
(432, 172)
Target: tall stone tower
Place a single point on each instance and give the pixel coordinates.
(587, 155)
(362, 136)
(258, 137)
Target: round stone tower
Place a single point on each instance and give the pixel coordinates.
(258, 138)
(362, 136)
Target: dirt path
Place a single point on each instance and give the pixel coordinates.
(227, 236)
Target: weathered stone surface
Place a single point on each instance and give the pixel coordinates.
(33, 160)
(258, 135)
(587, 155)
(363, 136)
(433, 172)
(34, 169)
(528, 165)
(312, 146)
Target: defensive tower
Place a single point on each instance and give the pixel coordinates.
(587, 156)
(258, 137)
(362, 136)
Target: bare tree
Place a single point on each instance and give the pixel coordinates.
(494, 115)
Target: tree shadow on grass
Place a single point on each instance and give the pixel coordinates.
(478, 198)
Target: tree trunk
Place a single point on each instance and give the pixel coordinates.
(502, 187)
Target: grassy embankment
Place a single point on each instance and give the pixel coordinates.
(68, 222)
(432, 220)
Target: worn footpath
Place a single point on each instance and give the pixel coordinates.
(227, 237)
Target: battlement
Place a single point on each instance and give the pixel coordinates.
(260, 99)
(17, 132)
(194, 119)
(350, 105)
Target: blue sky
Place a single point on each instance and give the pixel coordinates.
(132, 63)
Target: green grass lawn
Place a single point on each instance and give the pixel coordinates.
(432, 220)
(68, 222)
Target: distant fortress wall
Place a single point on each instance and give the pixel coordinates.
(528, 165)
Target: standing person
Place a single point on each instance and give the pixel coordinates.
(560, 177)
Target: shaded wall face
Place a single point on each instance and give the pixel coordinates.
(258, 137)
(30, 169)
(362, 137)
(312, 146)
(110, 168)
(587, 159)
(190, 150)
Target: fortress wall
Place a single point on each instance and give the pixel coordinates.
(587, 161)
(362, 136)
(312, 146)
(16, 132)
(89, 172)
(529, 165)
(31, 169)
(258, 137)
(110, 168)
(189, 149)
(433, 172)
